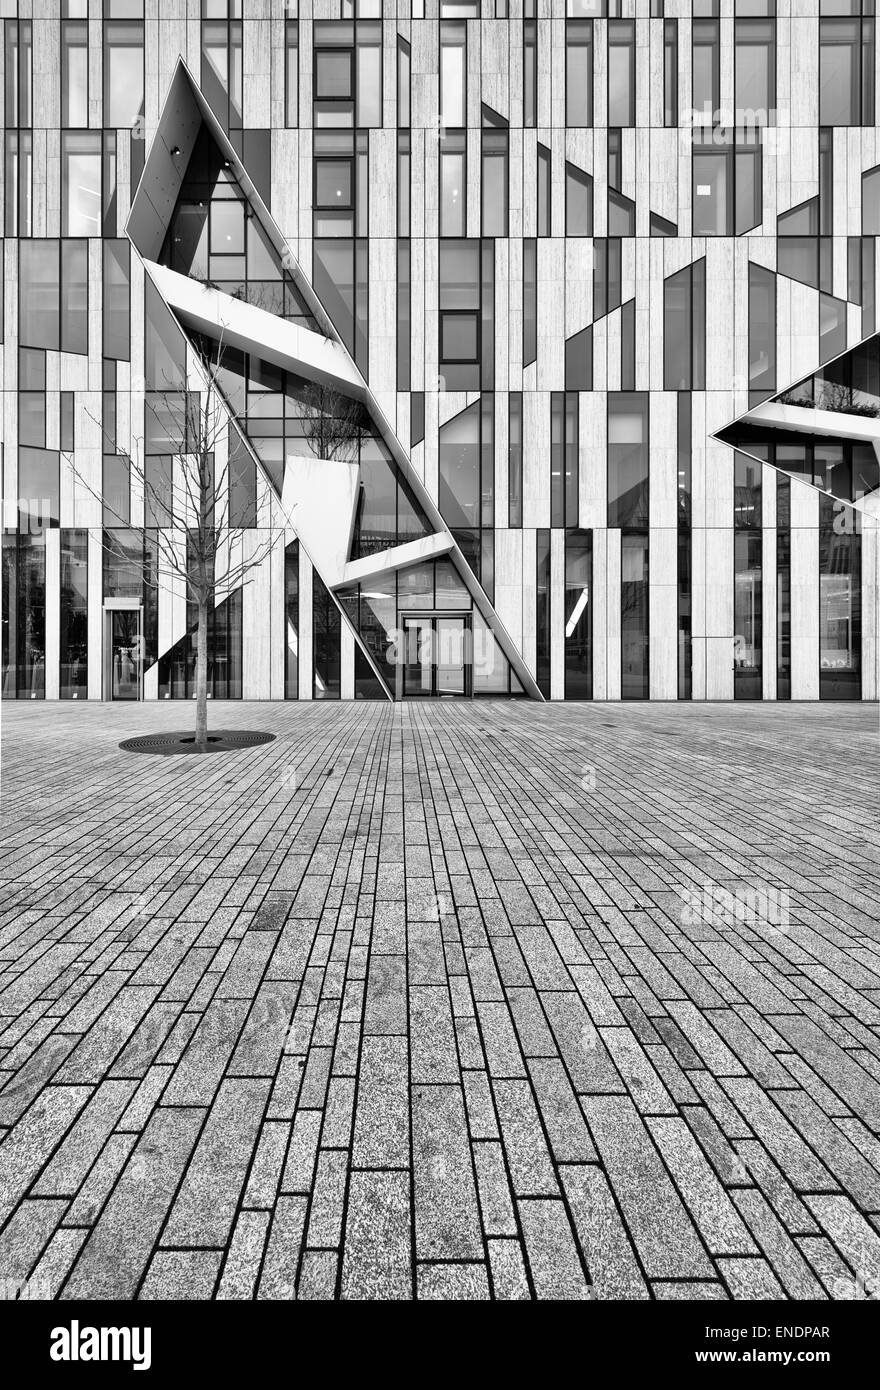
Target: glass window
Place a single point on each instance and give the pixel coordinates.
(846, 66)
(747, 616)
(579, 361)
(404, 166)
(39, 311)
(74, 74)
(628, 459)
(19, 73)
(81, 183)
(607, 275)
(544, 192)
(117, 332)
(670, 72)
(564, 471)
(515, 459)
(755, 71)
(291, 621)
(32, 418)
(832, 327)
(727, 195)
(222, 70)
(621, 215)
(123, 73)
(404, 326)
(24, 616)
(711, 196)
(39, 485)
(634, 669)
(459, 490)
(74, 615)
(684, 329)
(74, 296)
(403, 82)
(840, 607)
(621, 73)
(19, 183)
(494, 188)
(871, 202)
(530, 74)
(460, 286)
(453, 184)
(578, 615)
(452, 75)
(706, 86)
(578, 202)
(542, 611)
(291, 73)
(326, 643)
(579, 73)
(530, 301)
(762, 329)
(369, 75)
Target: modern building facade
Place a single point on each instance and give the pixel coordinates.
(542, 331)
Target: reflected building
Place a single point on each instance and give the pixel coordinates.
(544, 341)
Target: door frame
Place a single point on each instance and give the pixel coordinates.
(111, 606)
(464, 615)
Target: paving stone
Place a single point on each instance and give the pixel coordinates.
(181, 1275)
(243, 1258)
(376, 1262)
(552, 1251)
(447, 1222)
(70, 1163)
(452, 1282)
(381, 1130)
(317, 1280)
(114, 1257)
(25, 1236)
(432, 1036)
(750, 1279)
(525, 1147)
(509, 1279)
(261, 1033)
(326, 1215)
(204, 1208)
(27, 1147)
(605, 1245)
(278, 1277)
(712, 1210)
(659, 1222)
(788, 1264)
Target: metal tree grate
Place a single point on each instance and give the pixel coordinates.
(220, 742)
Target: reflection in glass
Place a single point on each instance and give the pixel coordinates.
(634, 672)
(747, 616)
(578, 615)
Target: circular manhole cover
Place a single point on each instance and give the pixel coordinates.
(220, 741)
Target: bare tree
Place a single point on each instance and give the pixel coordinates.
(838, 395)
(193, 496)
(333, 423)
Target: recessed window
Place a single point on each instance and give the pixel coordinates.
(578, 202)
(579, 73)
(123, 73)
(81, 183)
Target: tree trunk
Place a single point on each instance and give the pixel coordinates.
(202, 677)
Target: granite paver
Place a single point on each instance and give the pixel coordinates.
(459, 1000)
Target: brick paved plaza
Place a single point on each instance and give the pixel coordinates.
(409, 1002)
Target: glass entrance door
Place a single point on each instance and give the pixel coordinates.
(125, 654)
(436, 656)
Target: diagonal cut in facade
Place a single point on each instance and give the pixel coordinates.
(404, 593)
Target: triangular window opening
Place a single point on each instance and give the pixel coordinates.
(215, 237)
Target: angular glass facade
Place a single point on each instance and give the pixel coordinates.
(494, 408)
